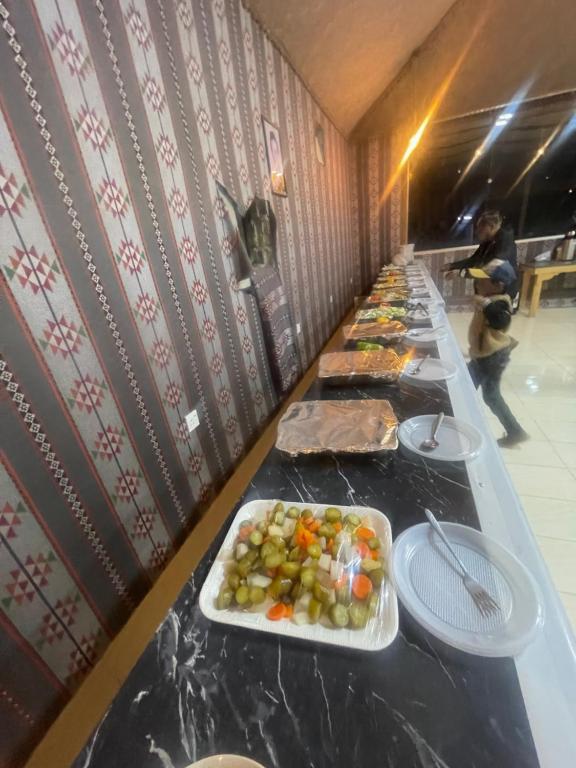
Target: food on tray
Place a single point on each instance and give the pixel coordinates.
(338, 426)
(390, 313)
(382, 364)
(393, 329)
(368, 346)
(294, 565)
(391, 294)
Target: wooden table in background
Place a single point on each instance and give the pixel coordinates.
(542, 272)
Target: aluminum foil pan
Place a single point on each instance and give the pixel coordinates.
(392, 330)
(338, 426)
(344, 367)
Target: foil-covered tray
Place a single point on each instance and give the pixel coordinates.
(390, 330)
(351, 367)
(338, 426)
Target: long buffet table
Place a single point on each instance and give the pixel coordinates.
(202, 688)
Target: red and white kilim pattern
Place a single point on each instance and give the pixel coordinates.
(173, 395)
(204, 120)
(199, 292)
(143, 523)
(11, 520)
(195, 463)
(161, 353)
(217, 364)
(213, 166)
(246, 344)
(88, 393)
(113, 198)
(189, 250)
(138, 28)
(18, 589)
(93, 128)
(224, 396)
(194, 68)
(209, 329)
(51, 630)
(153, 94)
(167, 150)
(185, 13)
(231, 425)
(62, 337)
(241, 315)
(127, 485)
(178, 203)
(12, 197)
(32, 270)
(147, 308)
(70, 51)
(68, 607)
(109, 443)
(130, 256)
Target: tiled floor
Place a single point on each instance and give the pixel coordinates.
(540, 388)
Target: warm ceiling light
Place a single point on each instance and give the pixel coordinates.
(489, 181)
(570, 191)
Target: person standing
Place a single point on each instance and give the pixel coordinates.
(496, 244)
(491, 345)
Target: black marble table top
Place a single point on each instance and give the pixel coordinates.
(202, 688)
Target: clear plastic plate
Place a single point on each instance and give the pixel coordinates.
(429, 584)
(457, 440)
(431, 370)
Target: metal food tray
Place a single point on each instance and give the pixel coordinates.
(393, 330)
(354, 367)
(338, 426)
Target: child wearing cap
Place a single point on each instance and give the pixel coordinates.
(491, 345)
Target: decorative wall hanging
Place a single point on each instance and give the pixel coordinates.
(275, 161)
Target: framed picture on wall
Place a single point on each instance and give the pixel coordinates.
(275, 161)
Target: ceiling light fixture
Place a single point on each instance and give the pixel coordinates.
(489, 181)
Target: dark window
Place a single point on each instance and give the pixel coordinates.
(526, 169)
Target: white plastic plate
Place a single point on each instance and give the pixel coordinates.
(429, 584)
(226, 761)
(425, 336)
(457, 440)
(378, 634)
(430, 371)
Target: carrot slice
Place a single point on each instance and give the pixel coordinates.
(315, 525)
(288, 611)
(361, 586)
(363, 549)
(276, 612)
(337, 527)
(364, 533)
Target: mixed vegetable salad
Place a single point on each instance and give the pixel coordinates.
(378, 313)
(306, 568)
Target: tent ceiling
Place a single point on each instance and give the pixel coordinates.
(348, 51)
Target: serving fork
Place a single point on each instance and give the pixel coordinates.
(482, 599)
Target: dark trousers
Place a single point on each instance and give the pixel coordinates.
(486, 372)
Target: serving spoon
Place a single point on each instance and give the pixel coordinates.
(431, 443)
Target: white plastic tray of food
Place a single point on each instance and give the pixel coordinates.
(378, 633)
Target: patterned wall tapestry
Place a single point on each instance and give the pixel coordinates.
(120, 307)
(381, 217)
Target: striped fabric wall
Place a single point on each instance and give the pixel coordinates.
(380, 216)
(120, 308)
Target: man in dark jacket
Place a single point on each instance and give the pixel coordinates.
(496, 243)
